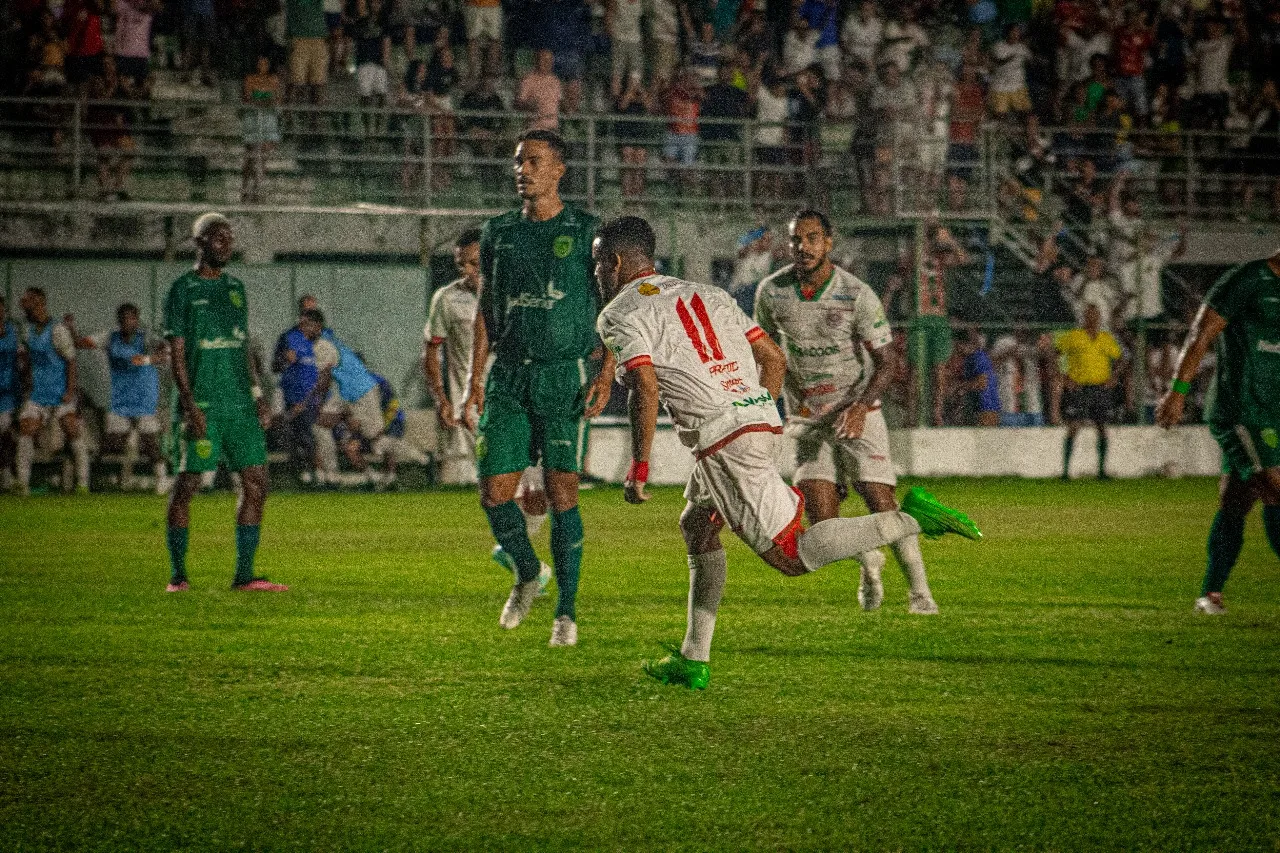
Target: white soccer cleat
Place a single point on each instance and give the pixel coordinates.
(544, 578)
(870, 586)
(922, 604)
(518, 604)
(1211, 604)
(564, 632)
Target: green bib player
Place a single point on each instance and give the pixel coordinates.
(536, 316)
(1240, 317)
(221, 413)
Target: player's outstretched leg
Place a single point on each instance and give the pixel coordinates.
(1226, 539)
(508, 527)
(936, 518)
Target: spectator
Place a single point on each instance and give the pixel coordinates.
(373, 57)
(1077, 46)
(308, 52)
(634, 137)
(294, 360)
(442, 77)
(484, 37)
(1132, 50)
(1089, 385)
(414, 97)
(936, 87)
(48, 79)
(483, 132)
(682, 103)
(1020, 379)
(756, 255)
(1262, 163)
(799, 46)
(85, 46)
(808, 103)
(132, 44)
(863, 34)
(1083, 197)
(1142, 276)
(976, 395)
(929, 344)
(1098, 83)
(968, 111)
(722, 142)
(566, 28)
(540, 93)
(1170, 53)
(1113, 150)
(704, 54)
(109, 131)
(897, 108)
(335, 21)
(1097, 287)
(1009, 74)
(903, 39)
(199, 30)
(664, 41)
(755, 41)
(626, 40)
(261, 128)
(1212, 58)
(771, 153)
(823, 17)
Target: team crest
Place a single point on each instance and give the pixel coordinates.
(648, 289)
(1269, 436)
(204, 448)
(562, 246)
(236, 299)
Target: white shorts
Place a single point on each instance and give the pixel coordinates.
(822, 456)
(32, 410)
(366, 412)
(483, 21)
(122, 425)
(372, 80)
(532, 480)
(740, 481)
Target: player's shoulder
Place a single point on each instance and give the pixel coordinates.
(502, 222)
(577, 217)
(845, 286)
(778, 282)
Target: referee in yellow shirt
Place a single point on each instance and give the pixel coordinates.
(1088, 395)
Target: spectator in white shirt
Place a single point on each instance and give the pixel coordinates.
(622, 21)
(799, 46)
(1009, 59)
(903, 38)
(1212, 56)
(863, 34)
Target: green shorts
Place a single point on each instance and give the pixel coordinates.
(1246, 450)
(236, 437)
(533, 412)
(929, 337)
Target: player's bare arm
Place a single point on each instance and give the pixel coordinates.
(602, 387)
(1205, 329)
(771, 362)
(255, 378)
(853, 420)
(192, 416)
(435, 383)
(642, 410)
(475, 388)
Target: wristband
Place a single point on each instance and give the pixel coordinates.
(638, 473)
(1180, 387)
(256, 391)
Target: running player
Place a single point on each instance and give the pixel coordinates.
(719, 375)
(839, 362)
(135, 391)
(220, 411)
(536, 314)
(451, 328)
(1240, 317)
(50, 357)
(9, 343)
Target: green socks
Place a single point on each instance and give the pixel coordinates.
(246, 548)
(1068, 444)
(1226, 538)
(509, 530)
(566, 554)
(177, 541)
(1102, 456)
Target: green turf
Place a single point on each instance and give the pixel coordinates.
(1066, 697)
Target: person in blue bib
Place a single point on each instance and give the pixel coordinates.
(135, 390)
(295, 362)
(49, 363)
(9, 342)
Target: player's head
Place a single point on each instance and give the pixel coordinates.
(127, 318)
(539, 164)
(311, 324)
(622, 250)
(214, 240)
(811, 240)
(35, 305)
(466, 255)
(307, 302)
(1092, 318)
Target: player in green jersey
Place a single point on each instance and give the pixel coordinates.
(221, 412)
(536, 316)
(1240, 317)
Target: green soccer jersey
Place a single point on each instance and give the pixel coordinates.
(539, 298)
(212, 318)
(1247, 381)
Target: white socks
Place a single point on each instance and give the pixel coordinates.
(841, 538)
(706, 585)
(907, 550)
(26, 454)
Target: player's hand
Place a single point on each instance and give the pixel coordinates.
(444, 412)
(196, 425)
(1169, 412)
(473, 407)
(852, 421)
(633, 483)
(290, 356)
(598, 395)
(634, 493)
(138, 361)
(264, 412)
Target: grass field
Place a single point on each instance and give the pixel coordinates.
(1066, 697)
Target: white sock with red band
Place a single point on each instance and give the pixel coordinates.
(706, 585)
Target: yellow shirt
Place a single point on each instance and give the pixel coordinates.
(1088, 359)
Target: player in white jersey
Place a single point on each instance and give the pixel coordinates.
(691, 347)
(839, 362)
(450, 327)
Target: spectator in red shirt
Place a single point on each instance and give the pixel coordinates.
(85, 46)
(968, 110)
(683, 101)
(1131, 47)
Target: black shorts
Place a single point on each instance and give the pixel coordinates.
(81, 69)
(1088, 403)
(134, 68)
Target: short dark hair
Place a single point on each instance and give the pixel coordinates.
(553, 140)
(810, 213)
(302, 300)
(628, 232)
(127, 308)
(315, 315)
(37, 291)
(466, 238)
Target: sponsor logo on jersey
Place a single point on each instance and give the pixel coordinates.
(1269, 437)
(734, 385)
(648, 289)
(528, 300)
(1272, 347)
(236, 299)
(562, 246)
(761, 400)
(812, 352)
(727, 367)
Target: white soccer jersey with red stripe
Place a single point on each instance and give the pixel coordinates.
(699, 343)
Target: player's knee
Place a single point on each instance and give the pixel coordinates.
(784, 562)
(253, 482)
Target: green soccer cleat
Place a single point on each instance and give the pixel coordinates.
(935, 517)
(675, 668)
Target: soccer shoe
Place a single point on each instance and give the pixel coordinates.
(564, 632)
(502, 558)
(182, 586)
(1211, 604)
(260, 585)
(675, 668)
(544, 578)
(936, 518)
(922, 604)
(870, 588)
(518, 604)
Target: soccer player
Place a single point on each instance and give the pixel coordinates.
(839, 362)
(49, 356)
(9, 343)
(1090, 384)
(135, 391)
(536, 314)
(221, 411)
(451, 328)
(1240, 317)
(719, 375)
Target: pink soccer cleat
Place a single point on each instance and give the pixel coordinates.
(261, 585)
(178, 587)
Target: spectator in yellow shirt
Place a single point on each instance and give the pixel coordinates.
(1090, 382)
